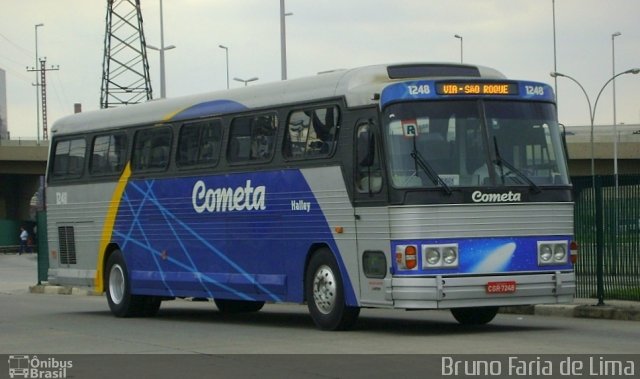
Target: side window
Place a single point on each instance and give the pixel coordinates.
(199, 143)
(68, 161)
(108, 154)
(252, 138)
(311, 133)
(151, 149)
(368, 172)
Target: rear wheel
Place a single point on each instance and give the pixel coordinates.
(238, 306)
(324, 290)
(121, 302)
(474, 316)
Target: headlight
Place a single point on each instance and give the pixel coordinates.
(545, 253)
(552, 252)
(440, 256)
(559, 252)
(433, 256)
(449, 256)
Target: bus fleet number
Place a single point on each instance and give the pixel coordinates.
(534, 90)
(419, 90)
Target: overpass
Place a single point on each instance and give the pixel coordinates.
(579, 146)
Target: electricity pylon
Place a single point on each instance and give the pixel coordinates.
(125, 69)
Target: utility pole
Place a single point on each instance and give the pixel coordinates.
(37, 84)
(43, 93)
(283, 40)
(161, 50)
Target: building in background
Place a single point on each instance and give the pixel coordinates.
(3, 106)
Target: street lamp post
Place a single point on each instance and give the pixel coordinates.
(592, 111)
(37, 85)
(283, 40)
(162, 49)
(615, 146)
(555, 61)
(615, 124)
(598, 215)
(226, 50)
(246, 81)
(461, 46)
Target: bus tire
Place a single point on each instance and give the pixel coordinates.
(324, 291)
(238, 306)
(475, 315)
(118, 291)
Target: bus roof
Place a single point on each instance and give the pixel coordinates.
(357, 86)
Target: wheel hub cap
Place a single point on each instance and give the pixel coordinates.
(116, 284)
(324, 289)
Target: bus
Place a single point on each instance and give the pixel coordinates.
(408, 186)
(19, 366)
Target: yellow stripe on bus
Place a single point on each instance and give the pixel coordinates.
(170, 116)
(107, 229)
(110, 219)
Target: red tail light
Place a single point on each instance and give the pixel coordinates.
(410, 257)
(573, 247)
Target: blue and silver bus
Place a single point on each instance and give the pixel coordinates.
(409, 186)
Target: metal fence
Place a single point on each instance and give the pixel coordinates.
(607, 228)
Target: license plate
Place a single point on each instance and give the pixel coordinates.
(501, 287)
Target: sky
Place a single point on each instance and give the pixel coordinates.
(512, 36)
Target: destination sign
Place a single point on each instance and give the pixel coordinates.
(417, 90)
(474, 88)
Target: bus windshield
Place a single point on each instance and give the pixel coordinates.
(474, 143)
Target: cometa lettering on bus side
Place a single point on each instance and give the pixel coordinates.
(227, 199)
(506, 197)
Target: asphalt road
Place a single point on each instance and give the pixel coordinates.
(67, 324)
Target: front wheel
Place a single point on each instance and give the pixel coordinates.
(324, 290)
(474, 316)
(121, 302)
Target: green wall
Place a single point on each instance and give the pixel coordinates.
(9, 232)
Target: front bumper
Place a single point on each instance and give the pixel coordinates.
(470, 291)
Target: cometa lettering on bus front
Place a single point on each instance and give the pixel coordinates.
(506, 197)
(227, 199)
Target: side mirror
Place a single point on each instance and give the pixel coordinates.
(366, 146)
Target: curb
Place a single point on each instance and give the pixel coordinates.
(62, 290)
(606, 312)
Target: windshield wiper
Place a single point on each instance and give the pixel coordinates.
(431, 173)
(501, 162)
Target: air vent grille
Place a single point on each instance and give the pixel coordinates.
(67, 241)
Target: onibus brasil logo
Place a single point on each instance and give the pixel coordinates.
(32, 367)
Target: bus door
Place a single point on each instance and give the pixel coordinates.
(372, 216)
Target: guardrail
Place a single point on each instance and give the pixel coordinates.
(24, 142)
(603, 133)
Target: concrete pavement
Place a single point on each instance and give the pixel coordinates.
(18, 273)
